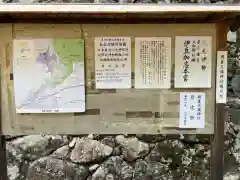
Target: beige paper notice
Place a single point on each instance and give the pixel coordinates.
(153, 62)
(113, 62)
(193, 57)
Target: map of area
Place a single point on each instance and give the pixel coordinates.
(49, 75)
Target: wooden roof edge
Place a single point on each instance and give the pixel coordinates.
(116, 8)
(234, 25)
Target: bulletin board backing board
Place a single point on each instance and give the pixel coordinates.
(114, 111)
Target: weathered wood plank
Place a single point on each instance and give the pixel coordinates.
(3, 155)
(108, 111)
(220, 114)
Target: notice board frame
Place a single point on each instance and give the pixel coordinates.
(129, 111)
(222, 15)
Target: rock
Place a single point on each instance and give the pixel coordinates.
(174, 136)
(13, 154)
(120, 139)
(87, 150)
(73, 142)
(62, 153)
(161, 152)
(199, 164)
(33, 147)
(89, 178)
(204, 139)
(91, 136)
(229, 160)
(48, 168)
(117, 151)
(203, 1)
(81, 1)
(14, 162)
(105, 1)
(235, 113)
(115, 168)
(236, 84)
(231, 36)
(151, 171)
(29, 148)
(144, 1)
(109, 141)
(93, 167)
(191, 138)
(150, 138)
(13, 172)
(10, 138)
(232, 176)
(140, 170)
(125, 1)
(236, 150)
(168, 152)
(133, 148)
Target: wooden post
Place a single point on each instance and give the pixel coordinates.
(220, 116)
(3, 158)
(238, 40)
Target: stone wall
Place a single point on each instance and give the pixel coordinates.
(96, 157)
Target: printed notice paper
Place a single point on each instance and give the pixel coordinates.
(193, 61)
(49, 75)
(113, 62)
(153, 62)
(192, 110)
(221, 85)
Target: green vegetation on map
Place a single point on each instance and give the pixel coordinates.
(69, 51)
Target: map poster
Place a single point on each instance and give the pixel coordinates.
(192, 110)
(193, 57)
(153, 62)
(113, 62)
(49, 75)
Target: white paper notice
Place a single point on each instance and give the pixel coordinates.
(193, 56)
(221, 85)
(192, 110)
(153, 62)
(113, 62)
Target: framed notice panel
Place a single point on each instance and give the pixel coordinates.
(193, 62)
(50, 86)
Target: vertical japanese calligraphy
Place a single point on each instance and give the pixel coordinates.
(192, 110)
(113, 62)
(152, 62)
(193, 61)
(221, 84)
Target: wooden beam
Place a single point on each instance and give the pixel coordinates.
(178, 12)
(220, 115)
(121, 9)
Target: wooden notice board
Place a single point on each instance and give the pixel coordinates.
(149, 111)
